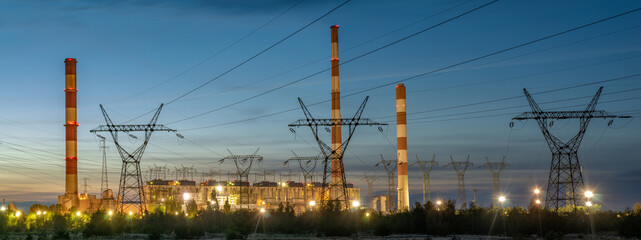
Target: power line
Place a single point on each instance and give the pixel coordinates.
(249, 59)
(516, 97)
(404, 79)
(345, 62)
(213, 55)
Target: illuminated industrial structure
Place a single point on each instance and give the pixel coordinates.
(161, 194)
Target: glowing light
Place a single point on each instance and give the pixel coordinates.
(162, 199)
(219, 188)
(366, 214)
(262, 210)
(538, 201)
(78, 213)
(263, 202)
(439, 202)
(45, 212)
(589, 194)
(588, 203)
(356, 204)
(186, 196)
(212, 202)
(186, 215)
(284, 184)
(312, 203)
(18, 213)
(537, 191)
(176, 213)
(3, 209)
(39, 213)
(502, 199)
(110, 213)
(131, 213)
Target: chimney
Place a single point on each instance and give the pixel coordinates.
(401, 144)
(71, 125)
(336, 111)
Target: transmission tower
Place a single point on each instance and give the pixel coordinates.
(370, 179)
(130, 191)
(426, 168)
(460, 168)
(243, 167)
(307, 169)
(390, 167)
(495, 168)
(334, 187)
(565, 182)
(104, 182)
(85, 186)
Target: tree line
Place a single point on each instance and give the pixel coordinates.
(53, 222)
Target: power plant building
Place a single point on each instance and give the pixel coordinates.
(264, 194)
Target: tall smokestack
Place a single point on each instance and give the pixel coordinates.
(71, 125)
(401, 143)
(336, 111)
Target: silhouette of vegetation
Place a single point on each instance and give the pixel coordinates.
(323, 221)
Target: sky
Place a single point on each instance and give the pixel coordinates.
(134, 55)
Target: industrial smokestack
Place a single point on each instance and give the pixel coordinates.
(71, 125)
(401, 144)
(336, 111)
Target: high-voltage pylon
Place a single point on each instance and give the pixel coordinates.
(104, 182)
(460, 168)
(495, 168)
(565, 182)
(130, 192)
(390, 167)
(334, 186)
(307, 169)
(370, 179)
(243, 166)
(426, 168)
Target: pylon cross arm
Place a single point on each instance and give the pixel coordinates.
(566, 115)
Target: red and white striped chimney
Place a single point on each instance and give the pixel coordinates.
(71, 125)
(401, 144)
(336, 111)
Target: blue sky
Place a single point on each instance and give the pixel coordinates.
(134, 55)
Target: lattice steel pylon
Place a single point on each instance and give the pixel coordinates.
(460, 168)
(104, 182)
(370, 179)
(307, 169)
(426, 168)
(334, 186)
(390, 167)
(130, 191)
(565, 182)
(243, 166)
(495, 168)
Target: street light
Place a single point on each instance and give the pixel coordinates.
(589, 194)
(538, 202)
(38, 213)
(78, 213)
(186, 196)
(588, 203)
(502, 199)
(131, 213)
(439, 202)
(219, 188)
(537, 191)
(366, 214)
(110, 213)
(262, 210)
(3, 208)
(355, 204)
(18, 213)
(312, 203)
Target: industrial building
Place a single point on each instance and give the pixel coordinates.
(264, 194)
